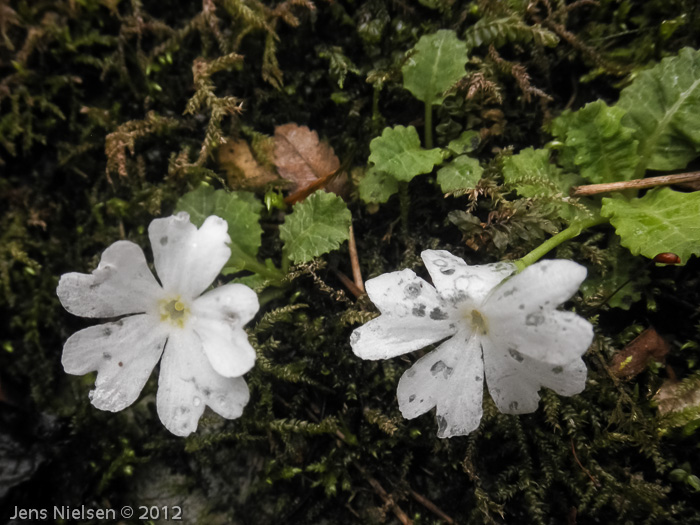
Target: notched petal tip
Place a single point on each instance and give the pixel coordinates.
(388, 283)
(188, 259)
(121, 284)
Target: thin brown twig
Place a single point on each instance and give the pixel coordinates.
(349, 284)
(307, 190)
(431, 507)
(388, 500)
(650, 182)
(355, 262)
(573, 449)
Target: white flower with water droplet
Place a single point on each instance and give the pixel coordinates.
(501, 329)
(201, 338)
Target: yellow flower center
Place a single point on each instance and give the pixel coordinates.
(174, 311)
(478, 323)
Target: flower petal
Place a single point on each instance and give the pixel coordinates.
(451, 377)
(226, 347)
(187, 382)
(124, 354)
(542, 286)
(121, 284)
(386, 336)
(405, 295)
(413, 316)
(234, 303)
(553, 337)
(188, 259)
(514, 382)
(457, 281)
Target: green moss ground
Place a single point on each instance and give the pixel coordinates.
(95, 141)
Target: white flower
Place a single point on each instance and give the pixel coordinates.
(506, 330)
(204, 347)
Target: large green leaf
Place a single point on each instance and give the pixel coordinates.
(398, 152)
(437, 62)
(240, 209)
(377, 186)
(316, 226)
(597, 143)
(663, 220)
(663, 105)
(462, 173)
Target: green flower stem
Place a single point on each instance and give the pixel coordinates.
(404, 204)
(270, 294)
(569, 233)
(252, 264)
(428, 125)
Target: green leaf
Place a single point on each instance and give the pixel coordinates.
(198, 203)
(437, 62)
(662, 105)
(662, 221)
(603, 149)
(532, 176)
(398, 153)
(678, 475)
(462, 173)
(240, 209)
(377, 186)
(467, 142)
(316, 226)
(694, 482)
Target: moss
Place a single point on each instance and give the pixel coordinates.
(111, 110)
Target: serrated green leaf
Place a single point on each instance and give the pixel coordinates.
(467, 142)
(662, 105)
(462, 173)
(377, 186)
(437, 62)
(198, 203)
(597, 143)
(397, 152)
(316, 226)
(662, 221)
(240, 209)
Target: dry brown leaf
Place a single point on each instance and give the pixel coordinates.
(633, 359)
(670, 399)
(241, 167)
(303, 159)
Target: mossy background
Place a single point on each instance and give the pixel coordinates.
(95, 141)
